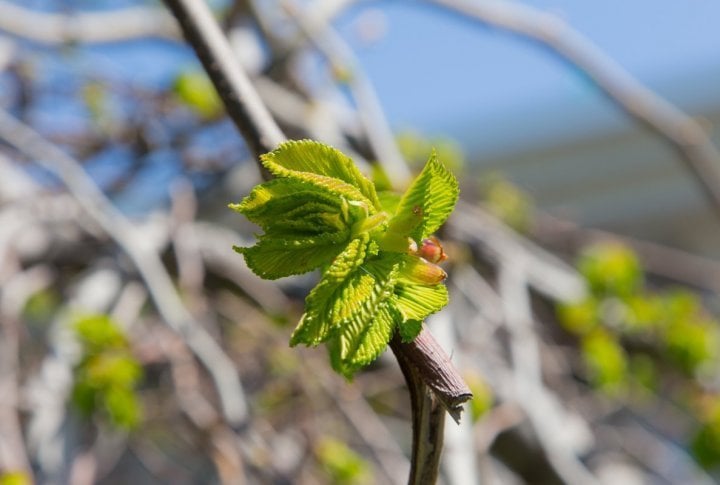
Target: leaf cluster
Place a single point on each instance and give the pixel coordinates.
(630, 335)
(320, 212)
(107, 373)
(341, 463)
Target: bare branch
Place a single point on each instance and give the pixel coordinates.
(87, 27)
(685, 134)
(13, 297)
(147, 262)
(542, 408)
(545, 272)
(341, 57)
(242, 102)
(428, 419)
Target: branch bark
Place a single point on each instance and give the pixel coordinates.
(428, 420)
(242, 102)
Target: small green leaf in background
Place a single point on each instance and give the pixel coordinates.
(42, 306)
(321, 212)
(508, 202)
(15, 478)
(483, 398)
(606, 360)
(415, 147)
(643, 371)
(342, 464)
(107, 374)
(691, 343)
(611, 269)
(705, 444)
(197, 92)
(645, 312)
(579, 317)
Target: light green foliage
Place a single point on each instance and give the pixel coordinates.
(96, 100)
(483, 399)
(643, 371)
(605, 359)
(195, 89)
(644, 312)
(415, 147)
(15, 478)
(674, 322)
(427, 203)
(628, 333)
(691, 343)
(705, 444)
(321, 212)
(41, 307)
(342, 464)
(107, 374)
(611, 268)
(580, 317)
(508, 202)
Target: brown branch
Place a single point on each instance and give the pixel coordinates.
(242, 102)
(428, 422)
(439, 374)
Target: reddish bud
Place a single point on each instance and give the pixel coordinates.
(432, 250)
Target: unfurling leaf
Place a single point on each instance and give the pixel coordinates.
(378, 259)
(427, 203)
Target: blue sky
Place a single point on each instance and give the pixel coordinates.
(440, 73)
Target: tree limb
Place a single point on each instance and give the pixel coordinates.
(146, 260)
(242, 102)
(86, 27)
(691, 141)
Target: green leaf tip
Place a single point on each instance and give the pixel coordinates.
(323, 166)
(378, 261)
(428, 201)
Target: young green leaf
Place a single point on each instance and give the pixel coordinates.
(324, 166)
(275, 198)
(341, 289)
(418, 292)
(322, 212)
(427, 203)
(364, 335)
(272, 258)
(417, 302)
(364, 338)
(409, 329)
